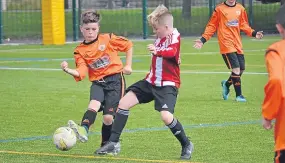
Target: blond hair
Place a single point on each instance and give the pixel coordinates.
(90, 16)
(160, 15)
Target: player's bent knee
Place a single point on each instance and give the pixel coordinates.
(166, 117)
(236, 70)
(94, 105)
(128, 101)
(108, 119)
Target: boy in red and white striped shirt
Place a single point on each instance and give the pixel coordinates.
(161, 84)
(164, 70)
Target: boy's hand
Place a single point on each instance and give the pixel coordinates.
(127, 70)
(64, 65)
(266, 124)
(259, 35)
(198, 44)
(152, 49)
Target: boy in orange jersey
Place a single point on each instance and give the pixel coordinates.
(228, 19)
(274, 102)
(98, 55)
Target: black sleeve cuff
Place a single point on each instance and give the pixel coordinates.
(203, 40)
(254, 34)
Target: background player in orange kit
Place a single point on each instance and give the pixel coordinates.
(274, 102)
(98, 55)
(228, 19)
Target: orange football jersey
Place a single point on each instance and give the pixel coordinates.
(228, 21)
(100, 57)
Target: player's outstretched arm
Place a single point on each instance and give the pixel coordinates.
(64, 67)
(244, 26)
(122, 44)
(81, 67)
(198, 44)
(273, 88)
(210, 30)
(259, 35)
(128, 67)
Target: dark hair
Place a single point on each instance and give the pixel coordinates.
(90, 16)
(280, 16)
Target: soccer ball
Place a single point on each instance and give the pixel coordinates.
(64, 138)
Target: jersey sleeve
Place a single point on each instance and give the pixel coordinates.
(273, 88)
(81, 66)
(169, 51)
(120, 43)
(244, 25)
(211, 27)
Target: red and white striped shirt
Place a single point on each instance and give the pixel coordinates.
(164, 70)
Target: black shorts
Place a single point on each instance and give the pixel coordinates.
(108, 90)
(279, 156)
(234, 60)
(164, 97)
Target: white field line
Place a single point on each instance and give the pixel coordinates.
(135, 71)
(135, 56)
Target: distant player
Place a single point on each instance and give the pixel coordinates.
(229, 19)
(274, 102)
(161, 84)
(98, 55)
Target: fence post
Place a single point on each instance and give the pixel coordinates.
(166, 3)
(66, 6)
(124, 3)
(186, 8)
(212, 4)
(74, 21)
(144, 14)
(250, 10)
(243, 3)
(1, 23)
(79, 11)
(110, 4)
